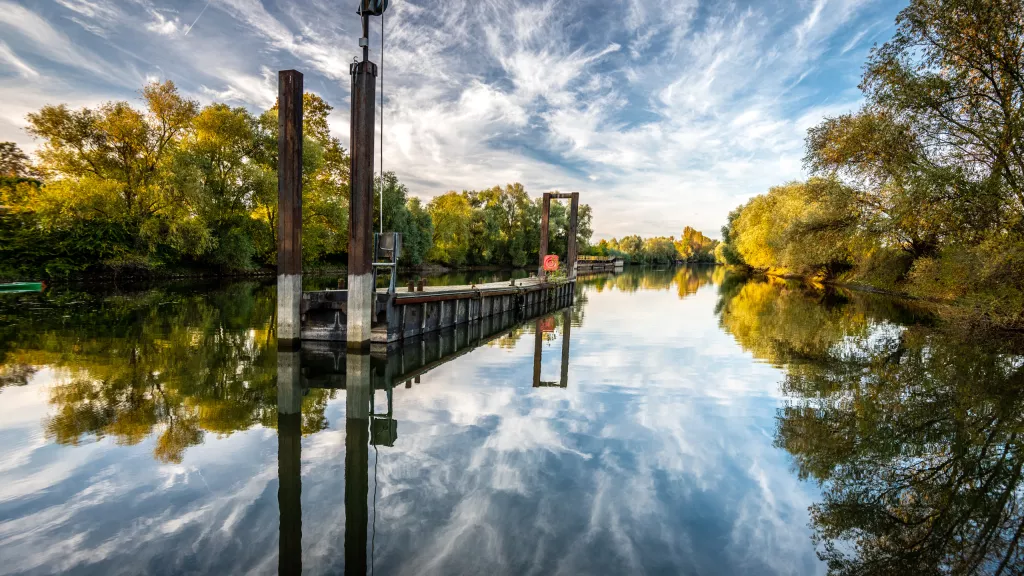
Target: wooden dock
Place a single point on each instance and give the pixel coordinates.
(599, 264)
(403, 314)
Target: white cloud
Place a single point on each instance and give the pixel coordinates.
(163, 25)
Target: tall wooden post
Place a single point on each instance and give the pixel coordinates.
(358, 390)
(289, 462)
(570, 257)
(545, 208)
(360, 209)
(289, 204)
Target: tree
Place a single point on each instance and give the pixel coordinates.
(117, 145)
(660, 250)
(633, 246)
(405, 216)
(13, 162)
(694, 246)
(452, 216)
(420, 242)
(953, 74)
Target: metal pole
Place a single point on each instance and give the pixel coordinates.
(545, 208)
(365, 40)
(570, 257)
(360, 228)
(289, 202)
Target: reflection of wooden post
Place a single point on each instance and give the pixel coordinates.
(566, 329)
(289, 204)
(357, 459)
(360, 210)
(289, 462)
(570, 257)
(538, 350)
(545, 208)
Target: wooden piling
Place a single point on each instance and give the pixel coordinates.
(360, 211)
(289, 202)
(545, 208)
(570, 257)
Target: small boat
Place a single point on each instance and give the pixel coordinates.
(22, 287)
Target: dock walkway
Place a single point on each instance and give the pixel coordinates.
(406, 314)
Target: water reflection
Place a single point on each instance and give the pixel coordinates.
(289, 460)
(672, 421)
(177, 365)
(331, 365)
(914, 432)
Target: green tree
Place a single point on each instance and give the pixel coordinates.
(452, 216)
(404, 215)
(952, 73)
(633, 246)
(124, 148)
(660, 250)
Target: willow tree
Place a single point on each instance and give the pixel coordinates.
(113, 158)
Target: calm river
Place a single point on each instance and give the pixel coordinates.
(704, 424)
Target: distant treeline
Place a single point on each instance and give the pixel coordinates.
(693, 246)
(922, 190)
(175, 187)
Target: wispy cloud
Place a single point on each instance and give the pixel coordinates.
(11, 59)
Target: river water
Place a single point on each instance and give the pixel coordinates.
(704, 423)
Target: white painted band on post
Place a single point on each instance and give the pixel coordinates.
(289, 296)
(360, 307)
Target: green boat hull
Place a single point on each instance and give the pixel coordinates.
(22, 287)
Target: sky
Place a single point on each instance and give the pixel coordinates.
(661, 114)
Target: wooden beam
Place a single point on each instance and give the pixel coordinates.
(545, 208)
(360, 211)
(289, 202)
(570, 258)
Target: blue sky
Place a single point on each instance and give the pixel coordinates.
(661, 114)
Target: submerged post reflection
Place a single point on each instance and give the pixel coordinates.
(357, 437)
(538, 350)
(289, 461)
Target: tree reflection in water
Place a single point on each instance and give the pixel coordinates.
(177, 365)
(913, 431)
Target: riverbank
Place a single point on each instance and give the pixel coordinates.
(145, 276)
(963, 313)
